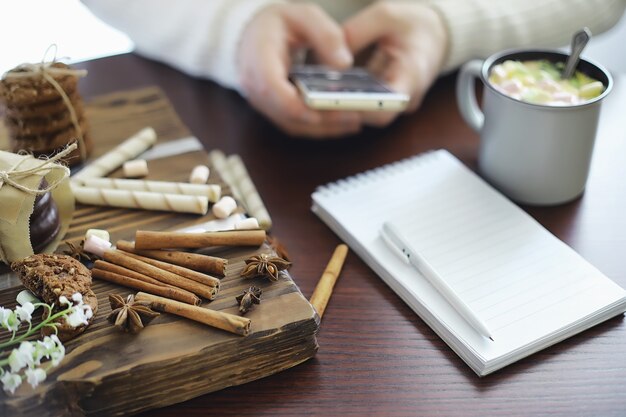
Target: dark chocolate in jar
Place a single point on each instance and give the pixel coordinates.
(45, 222)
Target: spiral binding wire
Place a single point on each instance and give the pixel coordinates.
(371, 175)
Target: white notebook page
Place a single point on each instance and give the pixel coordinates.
(523, 282)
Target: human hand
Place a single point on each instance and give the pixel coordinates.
(410, 45)
(264, 59)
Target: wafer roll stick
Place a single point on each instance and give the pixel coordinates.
(112, 160)
(225, 321)
(164, 240)
(126, 281)
(211, 191)
(251, 198)
(141, 200)
(122, 259)
(325, 285)
(195, 261)
(220, 164)
(203, 279)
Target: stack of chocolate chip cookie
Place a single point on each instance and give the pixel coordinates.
(38, 118)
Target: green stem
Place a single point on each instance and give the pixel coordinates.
(31, 330)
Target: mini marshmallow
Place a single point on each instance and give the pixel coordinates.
(224, 207)
(135, 168)
(199, 175)
(102, 234)
(97, 246)
(249, 223)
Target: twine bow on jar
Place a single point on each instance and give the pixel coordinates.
(12, 175)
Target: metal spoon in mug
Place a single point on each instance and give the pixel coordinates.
(579, 41)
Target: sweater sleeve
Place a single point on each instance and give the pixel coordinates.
(198, 37)
(478, 28)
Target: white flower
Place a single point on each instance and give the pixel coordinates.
(38, 353)
(34, 376)
(57, 353)
(88, 312)
(77, 297)
(55, 339)
(64, 301)
(76, 318)
(52, 348)
(25, 311)
(56, 356)
(80, 313)
(4, 316)
(47, 344)
(10, 382)
(43, 349)
(22, 356)
(9, 320)
(26, 296)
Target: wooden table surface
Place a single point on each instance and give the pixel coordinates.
(376, 356)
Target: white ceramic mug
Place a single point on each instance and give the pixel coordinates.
(536, 154)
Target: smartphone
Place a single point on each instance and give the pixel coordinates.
(354, 89)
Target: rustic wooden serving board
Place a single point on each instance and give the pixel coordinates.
(106, 372)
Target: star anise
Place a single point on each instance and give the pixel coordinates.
(264, 265)
(249, 297)
(78, 252)
(130, 315)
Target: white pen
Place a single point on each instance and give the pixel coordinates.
(393, 238)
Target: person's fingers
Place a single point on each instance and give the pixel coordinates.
(378, 62)
(279, 101)
(274, 96)
(286, 110)
(321, 32)
(408, 75)
(266, 85)
(368, 26)
(264, 67)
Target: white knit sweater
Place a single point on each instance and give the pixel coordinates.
(200, 37)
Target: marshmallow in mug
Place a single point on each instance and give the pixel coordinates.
(540, 82)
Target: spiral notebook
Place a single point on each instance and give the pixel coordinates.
(530, 288)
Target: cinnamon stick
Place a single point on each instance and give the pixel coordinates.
(195, 261)
(120, 270)
(122, 259)
(203, 279)
(164, 240)
(325, 285)
(225, 321)
(126, 281)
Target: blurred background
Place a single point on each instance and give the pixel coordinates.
(30, 26)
